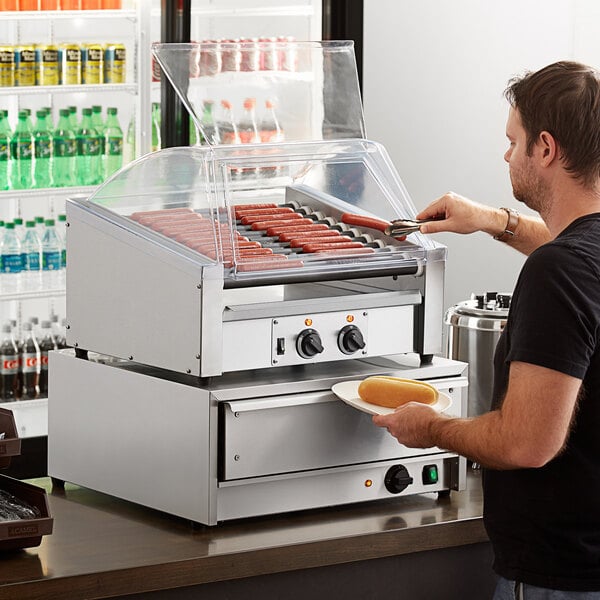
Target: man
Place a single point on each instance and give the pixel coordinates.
(540, 443)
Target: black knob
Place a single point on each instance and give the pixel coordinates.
(504, 300)
(397, 479)
(350, 339)
(308, 343)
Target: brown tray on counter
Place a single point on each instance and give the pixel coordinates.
(25, 533)
(11, 444)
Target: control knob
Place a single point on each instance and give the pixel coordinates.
(308, 343)
(350, 339)
(397, 479)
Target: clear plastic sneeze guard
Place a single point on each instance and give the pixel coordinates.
(314, 206)
(204, 199)
(313, 85)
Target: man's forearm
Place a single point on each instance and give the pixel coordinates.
(480, 439)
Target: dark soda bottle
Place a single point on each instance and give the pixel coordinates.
(47, 343)
(31, 361)
(9, 365)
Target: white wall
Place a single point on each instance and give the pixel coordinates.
(434, 75)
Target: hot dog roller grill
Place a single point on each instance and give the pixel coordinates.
(213, 301)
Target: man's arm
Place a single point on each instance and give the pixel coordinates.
(527, 431)
(462, 215)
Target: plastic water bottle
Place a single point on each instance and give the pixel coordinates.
(129, 151)
(227, 126)
(49, 120)
(113, 136)
(247, 128)
(51, 260)
(42, 144)
(58, 332)
(21, 153)
(4, 124)
(61, 229)
(63, 152)
(19, 228)
(156, 126)
(270, 129)
(4, 152)
(87, 163)
(211, 133)
(12, 261)
(73, 118)
(31, 251)
(99, 125)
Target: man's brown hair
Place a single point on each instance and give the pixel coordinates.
(564, 100)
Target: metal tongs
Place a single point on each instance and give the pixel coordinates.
(400, 227)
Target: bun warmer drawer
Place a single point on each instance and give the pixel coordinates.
(306, 431)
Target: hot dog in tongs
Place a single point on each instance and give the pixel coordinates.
(398, 228)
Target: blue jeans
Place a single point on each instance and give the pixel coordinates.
(510, 590)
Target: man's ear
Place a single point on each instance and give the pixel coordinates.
(547, 148)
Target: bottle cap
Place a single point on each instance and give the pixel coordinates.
(9, 225)
(27, 326)
(64, 112)
(46, 324)
(18, 221)
(62, 217)
(49, 222)
(29, 224)
(6, 328)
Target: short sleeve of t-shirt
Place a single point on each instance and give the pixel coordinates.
(556, 306)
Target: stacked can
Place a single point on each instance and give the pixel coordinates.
(92, 64)
(114, 63)
(69, 56)
(47, 66)
(25, 65)
(7, 66)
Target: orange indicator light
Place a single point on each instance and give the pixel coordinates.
(349, 318)
(368, 483)
(308, 322)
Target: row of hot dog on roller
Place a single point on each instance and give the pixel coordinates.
(268, 235)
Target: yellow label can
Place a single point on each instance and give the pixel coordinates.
(92, 64)
(25, 65)
(7, 66)
(114, 63)
(47, 70)
(69, 57)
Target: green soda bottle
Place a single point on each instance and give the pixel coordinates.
(49, 119)
(155, 126)
(63, 152)
(4, 124)
(99, 125)
(113, 137)
(208, 125)
(21, 154)
(73, 117)
(88, 158)
(4, 153)
(42, 146)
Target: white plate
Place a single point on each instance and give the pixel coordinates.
(348, 392)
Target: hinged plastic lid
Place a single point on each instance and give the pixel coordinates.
(312, 86)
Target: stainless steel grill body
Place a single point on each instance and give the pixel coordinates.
(214, 343)
(246, 444)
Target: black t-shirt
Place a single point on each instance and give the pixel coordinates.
(544, 523)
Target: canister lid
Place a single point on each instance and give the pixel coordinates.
(487, 311)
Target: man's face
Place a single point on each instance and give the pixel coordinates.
(528, 186)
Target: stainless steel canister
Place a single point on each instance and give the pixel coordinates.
(474, 327)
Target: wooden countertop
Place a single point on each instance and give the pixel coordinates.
(103, 547)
